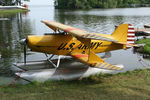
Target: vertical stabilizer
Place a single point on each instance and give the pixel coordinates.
(131, 35)
(124, 33)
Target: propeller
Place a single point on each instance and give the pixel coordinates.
(24, 43)
(25, 49)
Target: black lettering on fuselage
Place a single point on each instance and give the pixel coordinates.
(62, 46)
(84, 47)
(71, 45)
(98, 44)
(80, 46)
(94, 45)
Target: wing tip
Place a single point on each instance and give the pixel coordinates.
(43, 21)
(107, 66)
(119, 67)
(47, 21)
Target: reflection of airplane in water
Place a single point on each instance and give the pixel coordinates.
(68, 69)
(79, 44)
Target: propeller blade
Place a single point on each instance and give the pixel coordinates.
(25, 53)
(24, 42)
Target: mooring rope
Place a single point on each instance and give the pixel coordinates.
(13, 81)
(17, 77)
(141, 60)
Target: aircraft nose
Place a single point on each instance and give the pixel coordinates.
(23, 41)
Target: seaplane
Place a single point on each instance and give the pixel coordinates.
(80, 44)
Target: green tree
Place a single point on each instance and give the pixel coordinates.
(86, 4)
(11, 2)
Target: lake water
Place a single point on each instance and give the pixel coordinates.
(96, 20)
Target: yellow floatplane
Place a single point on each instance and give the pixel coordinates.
(80, 44)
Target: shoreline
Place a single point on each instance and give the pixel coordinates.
(128, 85)
(10, 9)
(146, 48)
(13, 11)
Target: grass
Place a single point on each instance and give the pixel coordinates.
(133, 85)
(146, 48)
(12, 11)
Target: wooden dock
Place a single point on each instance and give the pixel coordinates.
(142, 31)
(12, 7)
(4, 19)
(146, 26)
(145, 37)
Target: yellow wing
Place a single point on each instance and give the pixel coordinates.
(75, 31)
(81, 34)
(94, 61)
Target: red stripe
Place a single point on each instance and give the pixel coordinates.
(131, 43)
(131, 36)
(69, 29)
(79, 56)
(130, 28)
(128, 47)
(129, 24)
(130, 39)
(132, 32)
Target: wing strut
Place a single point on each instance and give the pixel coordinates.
(49, 60)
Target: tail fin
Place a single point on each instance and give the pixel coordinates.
(125, 33)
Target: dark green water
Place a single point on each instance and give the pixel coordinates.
(97, 20)
(11, 31)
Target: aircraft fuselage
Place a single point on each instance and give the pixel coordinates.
(59, 44)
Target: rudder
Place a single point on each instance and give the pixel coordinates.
(124, 33)
(131, 35)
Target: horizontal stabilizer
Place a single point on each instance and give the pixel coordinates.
(95, 61)
(109, 66)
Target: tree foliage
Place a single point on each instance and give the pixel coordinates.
(86, 4)
(11, 2)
